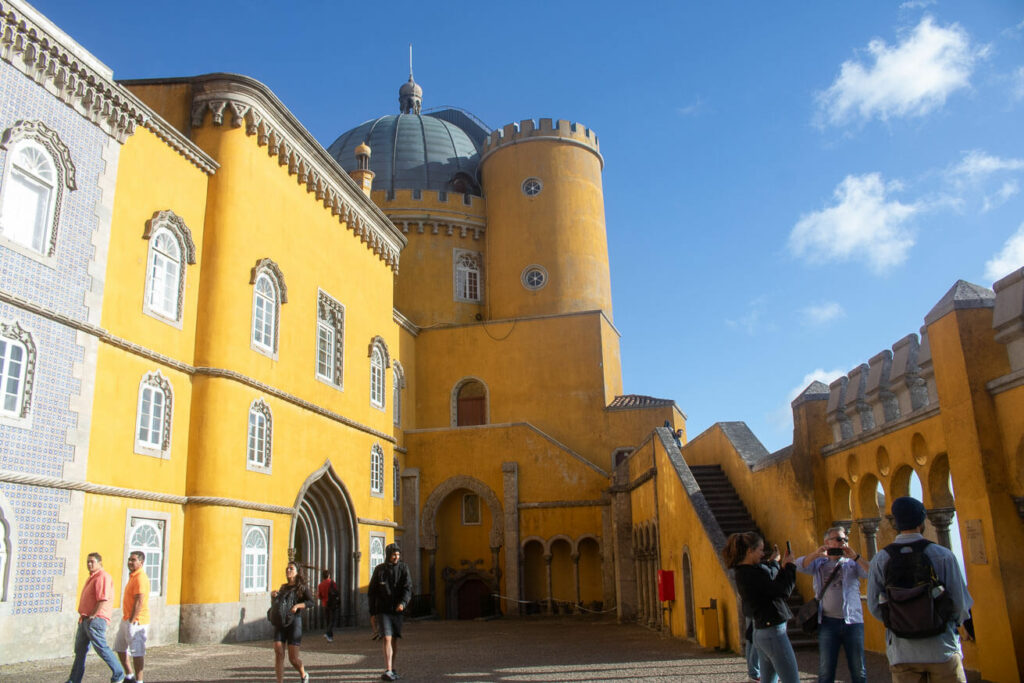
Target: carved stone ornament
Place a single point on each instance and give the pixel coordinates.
(244, 102)
(333, 313)
(173, 222)
(260, 406)
(379, 342)
(65, 74)
(265, 264)
(156, 379)
(18, 333)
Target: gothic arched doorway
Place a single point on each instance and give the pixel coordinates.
(323, 536)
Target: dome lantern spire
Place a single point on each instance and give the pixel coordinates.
(410, 95)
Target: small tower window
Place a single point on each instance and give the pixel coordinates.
(532, 187)
(534, 277)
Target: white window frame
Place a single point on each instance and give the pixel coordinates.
(265, 528)
(467, 276)
(398, 383)
(167, 224)
(377, 471)
(378, 543)
(377, 378)
(155, 382)
(255, 461)
(36, 136)
(161, 520)
(13, 335)
(396, 473)
(267, 271)
(330, 319)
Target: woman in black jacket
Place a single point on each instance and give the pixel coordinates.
(764, 587)
(292, 597)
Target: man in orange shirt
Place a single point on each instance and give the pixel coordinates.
(94, 608)
(131, 637)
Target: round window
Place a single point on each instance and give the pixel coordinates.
(532, 187)
(534, 277)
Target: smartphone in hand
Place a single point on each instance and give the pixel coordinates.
(789, 548)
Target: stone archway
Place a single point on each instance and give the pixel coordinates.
(428, 526)
(323, 536)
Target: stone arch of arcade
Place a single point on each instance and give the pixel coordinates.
(323, 536)
(472, 578)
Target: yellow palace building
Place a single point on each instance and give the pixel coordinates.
(229, 346)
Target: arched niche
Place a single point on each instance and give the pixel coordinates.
(940, 495)
(841, 500)
(899, 485)
(919, 448)
(428, 526)
(867, 497)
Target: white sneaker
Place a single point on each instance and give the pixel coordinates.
(329, 639)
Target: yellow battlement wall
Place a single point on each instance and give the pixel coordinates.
(543, 129)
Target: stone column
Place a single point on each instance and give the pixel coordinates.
(641, 595)
(547, 571)
(410, 491)
(513, 566)
(941, 519)
(575, 557)
(432, 578)
(869, 530)
(622, 548)
(608, 556)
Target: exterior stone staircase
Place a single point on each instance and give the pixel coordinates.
(732, 516)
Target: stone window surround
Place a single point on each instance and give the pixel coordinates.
(457, 259)
(40, 134)
(524, 277)
(399, 384)
(159, 381)
(170, 222)
(377, 471)
(266, 266)
(454, 415)
(332, 312)
(383, 546)
(151, 516)
(268, 528)
(8, 536)
(378, 343)
(260, 406)
(16, 332)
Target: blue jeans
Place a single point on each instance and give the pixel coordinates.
(775, 654)
(753, 668)
(94, 631)
(836, 633)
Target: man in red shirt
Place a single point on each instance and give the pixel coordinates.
(329, 596)
(94, 608)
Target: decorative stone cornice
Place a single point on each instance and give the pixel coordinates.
(436, 224)
(37, 48)
(228, 99)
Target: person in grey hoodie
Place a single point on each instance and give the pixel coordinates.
(389, 595)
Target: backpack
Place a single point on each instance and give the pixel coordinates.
(914, 603)
(280, 612)
(333, 596)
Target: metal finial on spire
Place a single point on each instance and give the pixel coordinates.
(410, 95)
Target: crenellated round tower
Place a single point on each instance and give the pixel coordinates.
(547, 251)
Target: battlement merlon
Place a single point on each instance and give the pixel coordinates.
(542, 130)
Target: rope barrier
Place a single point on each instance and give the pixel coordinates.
(530, 602)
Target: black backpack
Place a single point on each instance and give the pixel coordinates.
(333, 596)
(280, 612)
(914, 603)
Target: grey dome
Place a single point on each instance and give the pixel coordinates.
(417, 151)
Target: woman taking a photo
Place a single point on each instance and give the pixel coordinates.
(290, 599)
(764, 587)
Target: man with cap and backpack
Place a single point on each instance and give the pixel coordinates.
(916, 588)
(389, 595)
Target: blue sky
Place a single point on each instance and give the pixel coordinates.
(789, 187)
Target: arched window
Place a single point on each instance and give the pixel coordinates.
(260, 437)
(147, 536)
(170, 248)
(376, 470)
(37, 170)
(468, 285)
(153, 416)
(398, 384)
(256, 553)
(268, 294)
(17, 371)
(330, 339)
(469, 403)
(379, 360)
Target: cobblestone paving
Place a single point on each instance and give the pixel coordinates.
(541, 649)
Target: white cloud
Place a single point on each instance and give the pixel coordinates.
(1017, 83)
(862, 225)
(696, 107)
(1009, 259)
(909, 79)
(976, 165)
(992, 201)
(750, 322)
(819, 314)
(916, 4)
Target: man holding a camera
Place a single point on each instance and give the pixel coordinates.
(837, 570)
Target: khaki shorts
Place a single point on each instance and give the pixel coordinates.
(131, 638)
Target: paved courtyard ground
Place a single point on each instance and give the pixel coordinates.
(541, 649)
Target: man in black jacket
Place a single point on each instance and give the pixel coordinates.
(390, 592)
